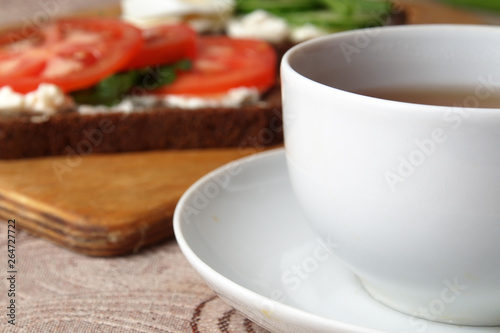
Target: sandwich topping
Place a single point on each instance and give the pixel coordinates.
(204, 16)
(259, 24)
(46, 99)
(108, 65)
(70, 53)
(295, 21)
(104, 63)
(235, 97)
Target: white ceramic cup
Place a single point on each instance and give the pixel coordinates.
(409, 193)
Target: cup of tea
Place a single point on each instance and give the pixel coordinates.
(392, 139)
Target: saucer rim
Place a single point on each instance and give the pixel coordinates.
(217, 281)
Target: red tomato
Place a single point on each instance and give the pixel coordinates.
(165, 45)
(224, 63)
(70, 53)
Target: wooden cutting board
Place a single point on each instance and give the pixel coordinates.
(430, 12)
(103, 205)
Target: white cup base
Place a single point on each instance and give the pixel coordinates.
(431, 312)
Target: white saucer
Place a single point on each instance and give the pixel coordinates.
(241, 229)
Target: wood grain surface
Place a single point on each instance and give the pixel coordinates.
(103, 205)
(430, 12)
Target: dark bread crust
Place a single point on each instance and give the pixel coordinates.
(257, 126)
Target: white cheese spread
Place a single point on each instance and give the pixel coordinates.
(305, 32)
(259, 24)
(234, 98)
(10, 100)
(48, 99)
(264, 25)
(202, 15)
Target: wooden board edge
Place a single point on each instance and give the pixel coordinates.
(102, 242)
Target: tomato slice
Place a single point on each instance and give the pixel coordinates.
(165, 44)
(70, 53)
(224, 63)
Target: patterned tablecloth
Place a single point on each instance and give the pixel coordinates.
(154, 291)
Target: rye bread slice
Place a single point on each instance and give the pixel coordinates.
(257, 125)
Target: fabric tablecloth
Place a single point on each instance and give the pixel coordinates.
(156, 290)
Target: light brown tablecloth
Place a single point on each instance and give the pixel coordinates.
(154, 291)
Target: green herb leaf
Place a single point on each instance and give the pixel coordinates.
(111, 90)
(493, 5)
(275, 6)
(331, 15)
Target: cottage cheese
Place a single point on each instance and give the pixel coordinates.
(48, 99)
(202, 15)
(259, 24)
(10, 100)
(234, 98)
(305, 32)
(264, 25)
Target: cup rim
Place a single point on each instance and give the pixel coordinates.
(286, 67)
